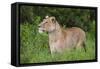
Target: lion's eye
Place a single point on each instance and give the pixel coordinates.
(46, 22)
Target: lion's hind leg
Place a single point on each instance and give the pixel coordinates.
(81, 45)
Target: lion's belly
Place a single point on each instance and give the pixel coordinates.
(65, 44)
(71, 40)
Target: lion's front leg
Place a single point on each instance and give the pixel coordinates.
(52, 49)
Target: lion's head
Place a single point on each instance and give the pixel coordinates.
(47, 25)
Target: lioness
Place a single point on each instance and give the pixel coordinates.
(61, 39)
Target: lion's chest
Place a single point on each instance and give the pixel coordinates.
(57, 41)
(56, 46)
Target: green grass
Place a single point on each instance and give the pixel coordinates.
(34, 47)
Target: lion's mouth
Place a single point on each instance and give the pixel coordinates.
(41, 30)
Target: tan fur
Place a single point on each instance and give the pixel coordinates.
(61, 39)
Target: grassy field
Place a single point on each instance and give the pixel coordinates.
(34, 47)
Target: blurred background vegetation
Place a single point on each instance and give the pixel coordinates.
(34, 46)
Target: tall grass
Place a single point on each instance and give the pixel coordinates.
(34, 47)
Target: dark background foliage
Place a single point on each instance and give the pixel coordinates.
(67, 17)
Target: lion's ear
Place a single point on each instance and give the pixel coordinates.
(53, 19)
(46, 17)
